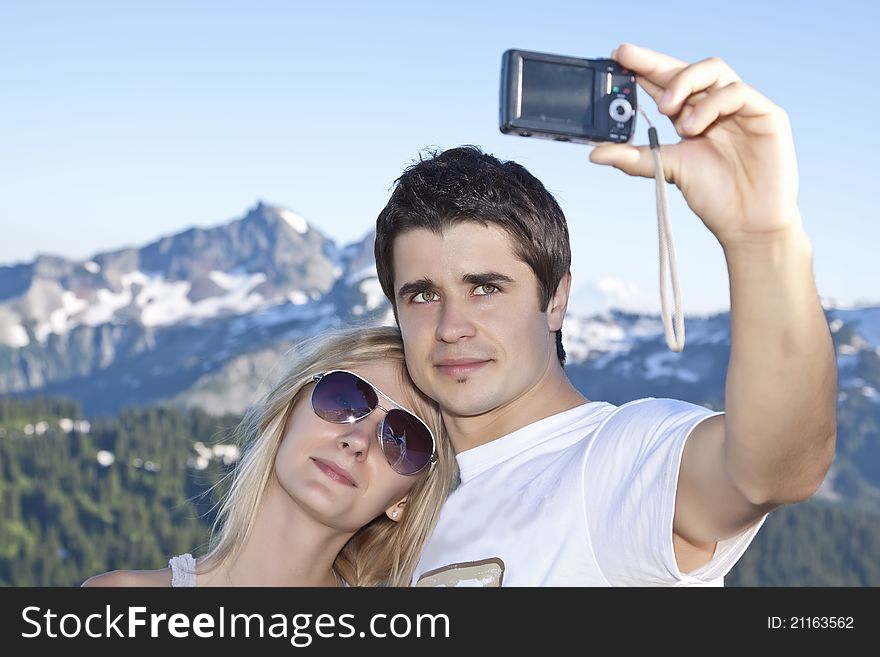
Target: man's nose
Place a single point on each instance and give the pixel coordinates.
(453, 322)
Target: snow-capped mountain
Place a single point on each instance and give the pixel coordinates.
(125, 319)
(205, 317)
(262, 260)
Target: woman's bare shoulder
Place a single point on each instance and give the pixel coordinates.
(132, 578)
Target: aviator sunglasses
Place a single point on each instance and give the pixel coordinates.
(343, 397)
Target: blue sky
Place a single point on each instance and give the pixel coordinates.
(124, 121)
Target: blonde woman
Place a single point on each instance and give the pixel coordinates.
(342, 476)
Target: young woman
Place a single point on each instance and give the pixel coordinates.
(342, 476)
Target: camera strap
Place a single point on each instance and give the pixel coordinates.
(674, 336)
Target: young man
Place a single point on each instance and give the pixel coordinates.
(557, 490)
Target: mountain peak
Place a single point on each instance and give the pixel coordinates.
(276, 214)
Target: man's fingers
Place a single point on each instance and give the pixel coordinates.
(653, 90)
(634, 160)
(706, 75)
(655, 67)
(737, 98)
(671, 82)
(656, 92)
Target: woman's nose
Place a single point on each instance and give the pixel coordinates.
(358, 436)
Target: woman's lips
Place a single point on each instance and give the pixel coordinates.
(335, 472)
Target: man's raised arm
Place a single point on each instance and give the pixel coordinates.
(737, 169)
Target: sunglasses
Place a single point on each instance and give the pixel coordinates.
(343, 397)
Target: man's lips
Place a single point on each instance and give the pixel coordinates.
(335, 472)
(460, 366)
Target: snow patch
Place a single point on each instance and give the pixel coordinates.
(826, 489)
(167, 303)
(163, 303)
(706, 333)
(15, 336)
(12, 331)
(298, 297)
(92, 267)
(607, 334)
(59, 321)
(661, 365)
(373, 292)
(226, 453)
(361, 274)
(866, 322)
(160, 303)
(294, 220)
(108, 302)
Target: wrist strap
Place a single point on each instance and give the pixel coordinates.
(674, 338)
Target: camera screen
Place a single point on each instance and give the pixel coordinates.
(557, 92)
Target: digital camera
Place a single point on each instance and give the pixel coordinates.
(566, 98)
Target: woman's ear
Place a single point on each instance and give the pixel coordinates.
(395, 512)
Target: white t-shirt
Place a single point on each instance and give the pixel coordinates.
(582, 498)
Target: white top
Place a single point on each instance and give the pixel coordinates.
(582, 498)
(183, 570)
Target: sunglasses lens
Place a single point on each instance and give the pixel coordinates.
(406, 442)
(343, 397)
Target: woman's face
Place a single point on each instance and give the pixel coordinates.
(337, 473)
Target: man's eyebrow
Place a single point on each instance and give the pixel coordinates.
(414, 287)
(486, 278)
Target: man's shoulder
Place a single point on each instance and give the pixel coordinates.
(643, 425)
(131, 578)
(654, 409)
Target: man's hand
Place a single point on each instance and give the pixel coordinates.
(735, 164)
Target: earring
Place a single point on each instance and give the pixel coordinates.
(394, 514)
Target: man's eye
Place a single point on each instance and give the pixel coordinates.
(485, 290)
(425, 296)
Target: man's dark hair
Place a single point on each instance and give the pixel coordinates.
(466, 184)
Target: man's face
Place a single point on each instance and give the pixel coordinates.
(468, 310)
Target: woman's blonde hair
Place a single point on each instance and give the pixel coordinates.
(383, 552)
